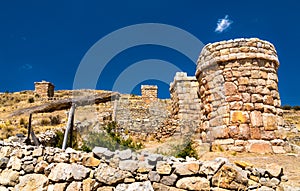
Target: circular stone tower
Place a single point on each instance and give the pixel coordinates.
(240, 103)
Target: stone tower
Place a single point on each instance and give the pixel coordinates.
(44, 89)
(149, 92)
(238, 89)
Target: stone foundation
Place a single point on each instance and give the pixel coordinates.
(46, 168)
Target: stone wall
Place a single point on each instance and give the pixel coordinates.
(185, 101)
(44, 89)
(27, 168)
(139, 118)
(238, 86)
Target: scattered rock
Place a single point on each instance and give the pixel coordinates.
(230, 177)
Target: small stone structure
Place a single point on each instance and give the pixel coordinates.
(44, 89)
(185, 101)
(239, 94)
(149, 92)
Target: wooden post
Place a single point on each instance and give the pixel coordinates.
(71, 131)
(31, 132)
(27, 141)
(69, 125)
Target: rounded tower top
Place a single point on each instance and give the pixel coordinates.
(241, 48)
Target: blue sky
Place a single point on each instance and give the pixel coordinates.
(46, 40)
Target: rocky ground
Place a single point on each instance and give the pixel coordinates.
(289, 162)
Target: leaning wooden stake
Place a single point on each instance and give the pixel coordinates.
(69, 125)
(31, 132)
(27, 141)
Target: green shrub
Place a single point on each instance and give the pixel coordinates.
(286, 107)
(111, 139)
(45, 122)
(55, 120)
(188, 151)
(297, 107)
(31, 100)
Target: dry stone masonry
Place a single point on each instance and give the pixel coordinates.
(240, 103)
(28, 168)
(149, 92)
(44, 89)
(185, 101)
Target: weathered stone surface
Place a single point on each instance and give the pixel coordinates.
(128, 165)
(230, 88)
(136, 186)
(32, 182)
(2, 188)
(64, 172)
(102, 152)
(239, 116)
(15, 163)
(3, 162)
(9, 177)
(259, 146)
(270, 121)
(125, 154)
(79, 172)
(187, 168)
(163, 168)
(256, 119)
(274, 169)
(74, 186)
(162, 187)
(211, 167)
(193, 183)
(243, 164)
(90, 161)
(278, 150)
(169, 180)
(61, 158)
(61, 172)
(109, 175)
(230, 177)
(106, 188)
(37, 152)
(57, 187)
(154, 176)
(89, 184)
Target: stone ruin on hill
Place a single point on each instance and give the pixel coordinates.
(232, 102)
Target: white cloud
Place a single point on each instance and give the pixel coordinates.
(26, 67)
(223, 24)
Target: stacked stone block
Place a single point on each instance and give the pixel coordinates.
(238, 87)
(185, 100)
(44, 89)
